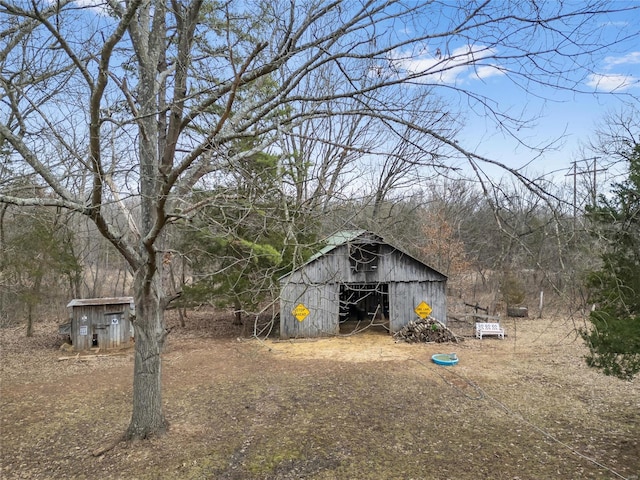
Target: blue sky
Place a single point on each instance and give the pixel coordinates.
(565, 117)
(570, 119)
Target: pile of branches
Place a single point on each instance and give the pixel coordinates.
(426, 330)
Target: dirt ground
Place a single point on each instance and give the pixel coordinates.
(352, 407)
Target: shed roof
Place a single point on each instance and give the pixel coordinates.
(77, 302)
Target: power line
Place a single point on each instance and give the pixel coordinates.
(594, 170)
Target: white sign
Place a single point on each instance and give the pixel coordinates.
(83, 329)
(114, 320)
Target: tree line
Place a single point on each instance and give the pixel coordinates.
(232, 251)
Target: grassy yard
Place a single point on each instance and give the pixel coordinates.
(353, 407)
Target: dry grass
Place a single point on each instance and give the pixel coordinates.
(351, 407)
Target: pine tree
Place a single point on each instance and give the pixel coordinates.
(614, 334)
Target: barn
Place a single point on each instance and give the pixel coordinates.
(104, 323)
(358, 274)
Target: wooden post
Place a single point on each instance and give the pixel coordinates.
(541, 305)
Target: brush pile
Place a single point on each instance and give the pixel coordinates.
(428, 330)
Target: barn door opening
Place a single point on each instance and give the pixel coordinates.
(364, 306)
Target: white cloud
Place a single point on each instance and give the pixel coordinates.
(486, 71)
(612, 82)
(632, 58)
(460, 65)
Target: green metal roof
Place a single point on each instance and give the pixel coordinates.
(334, 241)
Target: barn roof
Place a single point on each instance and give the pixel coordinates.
(334, 241)
(78, 302)
(346, 236)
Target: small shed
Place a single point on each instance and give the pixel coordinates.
(104, 323)
(360, 274)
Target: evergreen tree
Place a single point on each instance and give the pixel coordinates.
(244, 237)
(614, 333)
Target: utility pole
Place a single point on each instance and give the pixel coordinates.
(595, 193)
(575, 174)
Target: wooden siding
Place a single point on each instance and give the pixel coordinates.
(335, 267)
(109, 325)
(322, 301)
(405, 297)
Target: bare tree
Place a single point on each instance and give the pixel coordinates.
(144, 100)
(616, 137)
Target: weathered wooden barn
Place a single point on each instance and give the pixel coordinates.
(358, 274)
(103, 323)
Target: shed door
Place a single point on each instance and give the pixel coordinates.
(111, 334)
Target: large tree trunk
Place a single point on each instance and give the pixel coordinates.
(148, 417)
